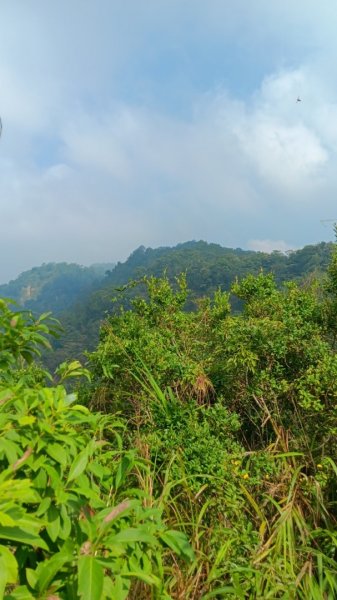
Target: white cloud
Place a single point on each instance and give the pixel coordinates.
(230, 155)
(269, 246)
(289, 157)
(129, 123)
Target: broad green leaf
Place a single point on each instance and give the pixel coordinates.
(29, 522)
(132, 535)
(151, 580)
(178, 542)
(6, 520)
(16, 534)
(8, 569)
(40, 481)
(65, 523)
(49, 569)
(38, 462)
(90, 578)
(147, 565)
(53, 525)
(20, 593)
(125, 465)
(54, 476)
(10, 449)
(97, 469)
(119, 589)
(28, 356)
(31, 576)
(45, 504)
(61, 496)
(78, 465)
(58, 453)
(27, 420)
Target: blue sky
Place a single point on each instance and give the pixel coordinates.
(158, 121)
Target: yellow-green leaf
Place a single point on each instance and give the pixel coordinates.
(78, 465)
(90, 578)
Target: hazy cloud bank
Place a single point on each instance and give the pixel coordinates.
(126, 127)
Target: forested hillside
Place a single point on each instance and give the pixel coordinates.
(208, 267)
(53, 286)
(81, 297)
(197, 458)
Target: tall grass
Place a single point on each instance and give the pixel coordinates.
(295, 556)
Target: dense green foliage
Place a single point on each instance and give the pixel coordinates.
(242, 410)
(82, 296)
(207, 267)
(197, 458)
(74, 521)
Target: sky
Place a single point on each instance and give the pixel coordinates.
(153, 122)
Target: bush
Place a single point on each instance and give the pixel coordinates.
(73, 522)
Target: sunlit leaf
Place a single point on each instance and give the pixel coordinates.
(90, 578)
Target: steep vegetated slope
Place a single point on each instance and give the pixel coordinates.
(208, 267)
(197, 460)
(81, 297)
(53, 286)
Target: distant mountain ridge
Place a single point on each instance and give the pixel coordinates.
(81, 297)
(53, 286)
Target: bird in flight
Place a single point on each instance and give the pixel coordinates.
(299, 99)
